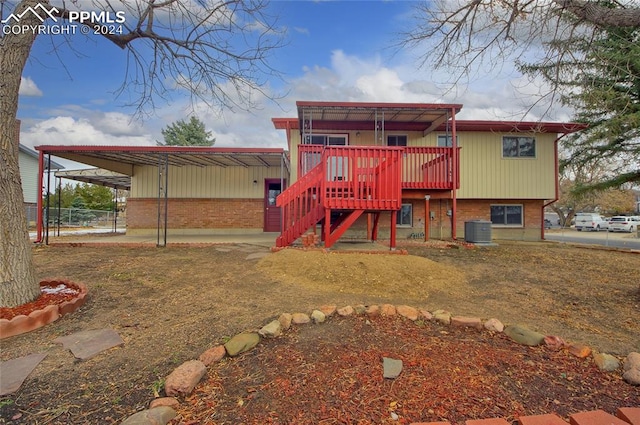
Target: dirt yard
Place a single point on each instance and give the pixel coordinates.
(171, 304)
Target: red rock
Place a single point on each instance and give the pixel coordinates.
(164, 401)
(184, 378)
(407, 312)
(213, 355)
(387, 310)
(466, 322)
(580, 351)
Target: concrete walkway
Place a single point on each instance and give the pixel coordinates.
(261, 239)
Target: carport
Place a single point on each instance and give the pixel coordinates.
(115, 167)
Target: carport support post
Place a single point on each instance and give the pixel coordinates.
(48, 208)
(163, 181)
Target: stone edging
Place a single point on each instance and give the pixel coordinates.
(38, 318)
(183, 380)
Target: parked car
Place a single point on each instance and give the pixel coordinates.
(624, 224)
(591, 221)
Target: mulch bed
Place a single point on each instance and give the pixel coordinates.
(51, 294)
(332, 374)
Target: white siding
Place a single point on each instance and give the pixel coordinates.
(29, 177)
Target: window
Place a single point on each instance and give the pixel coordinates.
(396, 140)
(404, 216)
(446, 140)
(506, 215)
(326, 139)
(518, 147)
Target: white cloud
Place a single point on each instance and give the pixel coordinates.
(66, 130)
(28, 87)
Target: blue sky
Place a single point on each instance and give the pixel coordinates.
(336, 50)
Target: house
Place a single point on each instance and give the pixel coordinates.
(31, 189)
(356, 170)
(413, 170)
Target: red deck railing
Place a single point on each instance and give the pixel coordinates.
(422, 167)
(362, 178)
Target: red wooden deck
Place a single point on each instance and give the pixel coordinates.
(351, 180)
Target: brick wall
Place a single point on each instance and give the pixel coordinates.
(195, 213)
(467, 209)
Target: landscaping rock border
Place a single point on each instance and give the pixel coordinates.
(186, 377)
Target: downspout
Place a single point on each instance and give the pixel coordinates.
(454, 175)
(39, 199)
(557, 194)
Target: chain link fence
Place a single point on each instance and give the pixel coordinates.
(75, 217)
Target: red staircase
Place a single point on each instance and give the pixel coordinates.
(301, 206)
(348, 181)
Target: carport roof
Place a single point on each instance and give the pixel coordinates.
(121, 159)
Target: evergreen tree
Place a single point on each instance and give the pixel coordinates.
(602, 83)
(192, 133)
(79, 213)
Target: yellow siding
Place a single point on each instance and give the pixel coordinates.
(484, 173)
(204, 182)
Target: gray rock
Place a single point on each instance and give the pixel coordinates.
(606, 362)
(241, 343)
(524, 336)
(442, 316)
(271, 330)
(345, 311)
(184, 378)
(318, 317)
(360, 309)
(391, 368)
(160, 415)
(632, 369)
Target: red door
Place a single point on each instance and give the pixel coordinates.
(272, 188)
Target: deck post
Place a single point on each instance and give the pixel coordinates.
(392, 241)
(326, 227)
(374, 230)
(427, 217)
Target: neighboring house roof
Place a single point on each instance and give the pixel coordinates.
(30, 152)
(98, 176)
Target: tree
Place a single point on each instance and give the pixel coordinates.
(464, 33)
(79, 213)
(604, 88)
(191, 133)
(95, 197)
(589, 59)
(216, 52)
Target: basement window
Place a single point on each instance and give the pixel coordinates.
(507, 215)
(404, 217)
